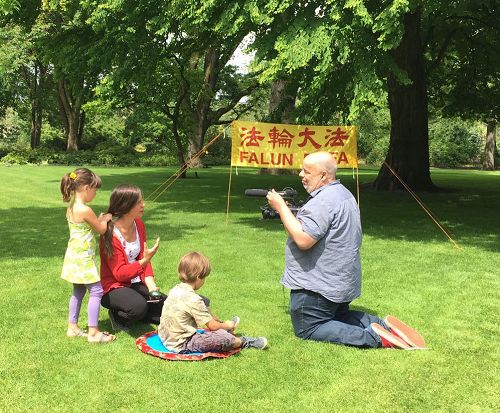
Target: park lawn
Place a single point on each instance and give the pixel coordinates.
(410, 269)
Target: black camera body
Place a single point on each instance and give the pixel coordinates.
(289, 194)
(269, 213)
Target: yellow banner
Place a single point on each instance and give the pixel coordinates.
(273, 145)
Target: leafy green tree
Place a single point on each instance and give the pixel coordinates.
(54, 42)
(454, 143)
(364, 49)
(467, 82)
(66, 42)
(174, 60)
(23, 77)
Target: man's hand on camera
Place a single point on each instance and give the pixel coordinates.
(275, 200)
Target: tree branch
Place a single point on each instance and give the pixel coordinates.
(217, 114)
(485, 23)
(441, 52)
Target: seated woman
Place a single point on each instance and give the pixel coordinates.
(126, 274)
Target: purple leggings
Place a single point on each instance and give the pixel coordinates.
(75, 302)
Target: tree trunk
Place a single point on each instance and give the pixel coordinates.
(281, 107)
(282, 101)
(178, 144)
(174, 114)
(36, 105)
(81, 125)
(36, 122)
(490, 145)
(408, 153)
(211, 74)
(70, 108)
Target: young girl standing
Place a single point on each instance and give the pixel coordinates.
(80, 266)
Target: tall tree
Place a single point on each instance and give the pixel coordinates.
(467, 80)
(22, 73)
(66, 42)
(408, 153)
(175, 59)
(390, 48)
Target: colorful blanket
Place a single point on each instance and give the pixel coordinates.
(151, 344)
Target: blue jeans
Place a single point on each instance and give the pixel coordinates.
(316, 318)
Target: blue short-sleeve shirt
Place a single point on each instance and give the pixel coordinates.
(332, 267)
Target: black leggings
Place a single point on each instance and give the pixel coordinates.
(131, 304)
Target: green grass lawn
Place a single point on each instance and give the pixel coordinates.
(410, 270)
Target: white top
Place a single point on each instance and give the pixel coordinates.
(132, 249)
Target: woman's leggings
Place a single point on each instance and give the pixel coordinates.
(75, 302)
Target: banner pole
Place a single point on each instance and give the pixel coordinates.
(229, 193)
(357, 186)
(230, 179)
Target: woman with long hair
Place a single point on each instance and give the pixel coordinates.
(127, 278)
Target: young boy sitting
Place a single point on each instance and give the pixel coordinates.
(184, 311)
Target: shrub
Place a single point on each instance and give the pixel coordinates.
(115, 155)
(157, 159)
(15, 158)
(378, 151)
(374, 132)
(454, 143)
(219, 153)
(53, 138)
(75, 158)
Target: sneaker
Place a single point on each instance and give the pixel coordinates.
(252, 342)
(116, 323)
(388, 339)
(236, 321)
(405, 332)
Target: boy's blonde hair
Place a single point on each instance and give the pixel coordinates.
(192, 266)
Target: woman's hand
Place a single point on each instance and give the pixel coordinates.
(149, 252)
(151, 284)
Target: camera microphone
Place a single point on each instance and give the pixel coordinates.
(286, 193)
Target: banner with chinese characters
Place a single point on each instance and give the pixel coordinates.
(272, 145)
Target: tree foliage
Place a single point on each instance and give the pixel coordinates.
(159, 72)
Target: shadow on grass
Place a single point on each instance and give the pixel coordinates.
(137, 328)
(274, 225)
(469, 212)
(43, 232)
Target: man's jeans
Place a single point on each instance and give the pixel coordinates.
(316, 318)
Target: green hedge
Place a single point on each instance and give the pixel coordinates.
(106, 156)
(454, 143)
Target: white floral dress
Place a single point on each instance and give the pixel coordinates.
(80, 261)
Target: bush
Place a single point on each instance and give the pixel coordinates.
(454, 143)
(374, 132)
(4, 150)
(74, 158)
(53, 138)
(15, 158)
(106, 155)
(378, 151)
(157, 159)
(115, 155)
(219, 153)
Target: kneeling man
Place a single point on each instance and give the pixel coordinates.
(323, 266)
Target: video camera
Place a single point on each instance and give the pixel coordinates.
(288, 194)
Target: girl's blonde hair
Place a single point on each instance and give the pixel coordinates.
(192, 266)
(71, 181)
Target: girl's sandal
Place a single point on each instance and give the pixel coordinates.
(101, 337)
(76, 333)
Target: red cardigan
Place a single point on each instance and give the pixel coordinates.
(116, 272)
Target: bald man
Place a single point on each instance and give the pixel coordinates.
(322, 261)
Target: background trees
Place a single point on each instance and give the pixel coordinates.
(369, 49)
(162, 74)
